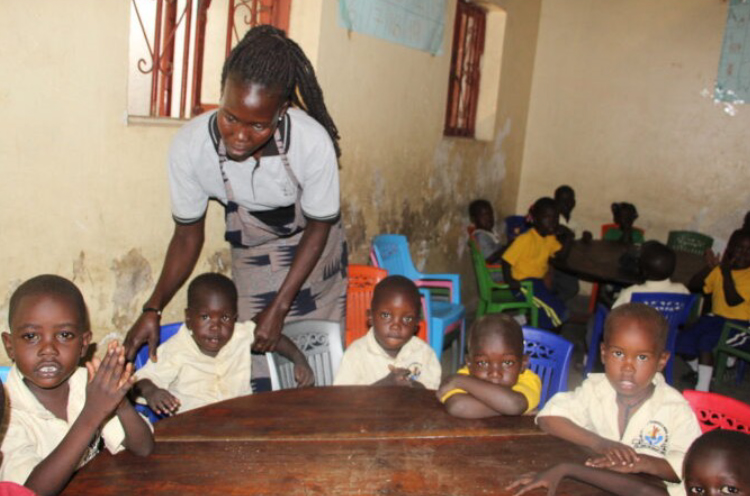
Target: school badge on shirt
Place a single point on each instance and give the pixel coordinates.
(415, 370)
(653, 436)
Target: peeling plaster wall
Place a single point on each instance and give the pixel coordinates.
(618, 113)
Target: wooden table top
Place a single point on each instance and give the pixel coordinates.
(335, 440)
(598, 261)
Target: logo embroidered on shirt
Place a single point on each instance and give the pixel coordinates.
(653, 436)
(415, 370)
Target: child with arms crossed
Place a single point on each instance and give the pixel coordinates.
(208, 360)
(390, 354)
(59, 413)
(496, 380)
(629, 416)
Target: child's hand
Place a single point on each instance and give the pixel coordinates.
(109, 381)
(528, 482)
(162, 402)
(398, 377)
(303, 374)
(615, 454)
(711, 258)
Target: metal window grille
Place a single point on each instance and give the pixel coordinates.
(463, 85)
(173, 37)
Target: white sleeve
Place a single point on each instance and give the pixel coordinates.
(20, 455)
(321, 197)
(572, 405)
(347, 374)
(189, 200)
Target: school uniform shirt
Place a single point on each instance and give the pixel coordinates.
(488, 242)
(663, 286)
(664, 426)
(528, 384)
(197, 379)
(366, 362)
(34, 432)
(714, 285)
(529, 255)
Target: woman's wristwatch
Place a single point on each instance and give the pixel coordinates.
(151, 309)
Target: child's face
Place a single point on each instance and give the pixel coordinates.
(547, 221)
(485, 219)
(566, 202)
(46, 340)
(738, 252)
(626, 217)
(716, 472)
(631, 358)
(211, 318)
(492, 360)
(394, 318)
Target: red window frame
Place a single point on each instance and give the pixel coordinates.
(463, 83)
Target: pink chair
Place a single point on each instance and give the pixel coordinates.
(715, 411)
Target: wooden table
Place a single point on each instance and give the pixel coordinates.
(598, 261)
(334, 440)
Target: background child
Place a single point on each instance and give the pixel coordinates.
(624, 215)
(390, 354)
(657, 263)
(208, 360)
(564, 285)
(59, 414)
(488, 241)
(729, 287)
(495, 380)
(527, 259)
(629, 416)
(713, 465)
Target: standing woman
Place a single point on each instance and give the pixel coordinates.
(269, 155)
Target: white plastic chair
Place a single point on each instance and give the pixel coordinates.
(320, 342)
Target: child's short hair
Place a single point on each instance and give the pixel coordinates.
(657, 261)
(50, 284)
(542, 205)
(623, 208)
(396, 284)
(735, 443)
(214, 282)
(563, 189)
(476, 207)
(649, 318)
(501, 325)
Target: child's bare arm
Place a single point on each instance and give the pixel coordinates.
(566, 429)
(139, 439)
(482, 398)
(613, 482)
(159, 400)
(508, 277)
(731, 295)
(696, 282)
(646, 464)
(104, 393)
(303, 374)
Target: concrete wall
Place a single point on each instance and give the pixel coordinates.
(618, 113)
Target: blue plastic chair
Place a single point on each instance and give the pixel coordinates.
(514, 226)
(141, 358)
(4, 371)
(549, 357)
(443, 316)
(676, 309)
(592, 355)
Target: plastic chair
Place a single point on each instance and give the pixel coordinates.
(549, 357)
(676, 309)
(444, 318)
(362, 282)
(723, 350)
(715, 411)
(593, 355)
(443, 315)
(515, 225)
(141, 358)
(497, 298)
(689, 241)
(320, 342)
(4, 371)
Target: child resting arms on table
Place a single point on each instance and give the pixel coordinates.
(496, 380)
(390, 354)
(59, 414)
(208, 360)
(629, 416)
(714, 464)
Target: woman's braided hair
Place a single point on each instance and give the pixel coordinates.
(266, 56)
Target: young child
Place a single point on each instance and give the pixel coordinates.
(527, 258)
(624, 215)
(390, 354)
(208, 360)
(629, 416)
(657, 263)
(729, 287)
(487, 240)
(714, 464)
(59, 414)
(495, 380)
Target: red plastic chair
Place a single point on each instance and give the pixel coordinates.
(715, 411)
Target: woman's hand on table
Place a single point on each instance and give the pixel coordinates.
(268, 326)
(303, 374)
(145, 330)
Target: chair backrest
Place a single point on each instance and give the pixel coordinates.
(689, 241)
(514, 226)
(320, 342)
(549, 357)
(715, 411)
(4, 371)
(362, 281)
(484, 280)
(392, 254)
(165, 332)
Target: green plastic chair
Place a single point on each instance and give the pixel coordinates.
(498, 298)
(689, 241)
(723, 350)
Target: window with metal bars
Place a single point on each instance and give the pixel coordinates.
(177, 49)
(463, 85)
